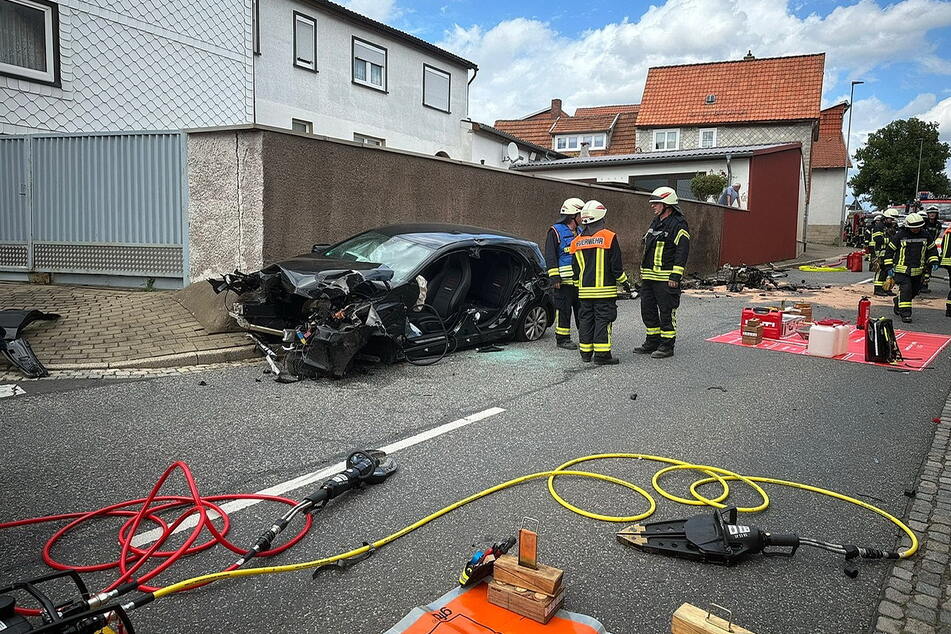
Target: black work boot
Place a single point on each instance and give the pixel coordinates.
(947, 311)
(605, 358)
(895, 303)
(906, 318)
(647, 347)
(882, 293)
(565, 342)
(586, 357)
(663, 352)
(924, 289)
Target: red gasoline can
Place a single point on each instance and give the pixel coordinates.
(864, 306)
(854, 261)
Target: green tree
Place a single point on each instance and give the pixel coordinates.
(889, 163)
(703, 185)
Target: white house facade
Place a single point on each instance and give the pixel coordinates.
(94, 65)
(308, 65)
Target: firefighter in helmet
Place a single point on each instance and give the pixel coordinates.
(909, 253)
(558, 260)
(876, 251)
(945, 261)
(666, 247)
(599, 271)
(933, 229)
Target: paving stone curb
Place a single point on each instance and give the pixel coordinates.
(917, 593)
(198, 357)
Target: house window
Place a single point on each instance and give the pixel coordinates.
(574, 141)
(436, 84)
(369, 140)
(667, 139)
(708, 137)
(369, 64)
(305, 42)
(299, 125)
(29, 40)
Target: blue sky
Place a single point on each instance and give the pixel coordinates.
(597, 52)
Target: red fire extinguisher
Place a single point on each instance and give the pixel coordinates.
(864, 306)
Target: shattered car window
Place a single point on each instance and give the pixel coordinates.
(397, 253)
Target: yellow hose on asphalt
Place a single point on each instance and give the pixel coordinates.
(716, 474)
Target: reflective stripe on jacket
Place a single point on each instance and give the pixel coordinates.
(597, 265)
(666, 248)
(557, 257)
(909, 253)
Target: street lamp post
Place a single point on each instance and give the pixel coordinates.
(848, 158)
(921, 145)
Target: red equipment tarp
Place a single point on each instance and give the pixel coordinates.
(918, 348)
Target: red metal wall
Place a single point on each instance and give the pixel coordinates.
(766, 232)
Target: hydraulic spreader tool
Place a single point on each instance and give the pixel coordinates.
(713, 537)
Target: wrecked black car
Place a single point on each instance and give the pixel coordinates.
(414, 292)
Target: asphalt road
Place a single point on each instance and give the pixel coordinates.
(857, 429)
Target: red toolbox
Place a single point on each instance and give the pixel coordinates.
(776, 325)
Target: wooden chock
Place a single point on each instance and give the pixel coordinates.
(527, 548)
(689, 619)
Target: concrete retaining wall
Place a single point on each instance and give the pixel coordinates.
(316, 190)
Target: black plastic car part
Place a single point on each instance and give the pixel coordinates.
(14, 347)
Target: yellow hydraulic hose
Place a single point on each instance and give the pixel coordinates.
(715, 474)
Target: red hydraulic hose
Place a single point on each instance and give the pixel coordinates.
(132, 559)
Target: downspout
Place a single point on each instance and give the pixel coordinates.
(475, 71)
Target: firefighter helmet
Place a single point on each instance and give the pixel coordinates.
(572, 206)
(891, 213)
(665, 195)
(932, 209)
(593, 211)
(914, 219)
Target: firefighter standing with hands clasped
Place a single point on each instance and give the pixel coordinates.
(558, 260)
(598, 271)
(666, 247)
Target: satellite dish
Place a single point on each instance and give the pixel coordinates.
(511, 150)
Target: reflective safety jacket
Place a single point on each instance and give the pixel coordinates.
(909, 253)
(946, 249)
(933, 228)
(876, 242)
(666, 247)
(597, 265)
(557, 257)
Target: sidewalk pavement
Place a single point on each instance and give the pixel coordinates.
(815, 253)
(104, 328)
(917, 594)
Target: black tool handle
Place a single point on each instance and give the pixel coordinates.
(782, 540)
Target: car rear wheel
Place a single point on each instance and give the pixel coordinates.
(533, 324)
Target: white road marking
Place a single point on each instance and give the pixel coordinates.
(871, 279)
(6, 391)
(150, 536)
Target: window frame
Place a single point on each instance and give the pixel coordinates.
(665, 131)
(364, 139)
(308, 125)
(50, 77)
(298, 16)
(700, 139)
(578, 139)
(256, 28)
(353, 58)
(448, 88)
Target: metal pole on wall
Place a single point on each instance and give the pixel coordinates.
(848, 157)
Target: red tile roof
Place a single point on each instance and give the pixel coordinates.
(531, 130)
(594, 110)
(540, 127)
(598, 123)
(829, 150)
(769, 89)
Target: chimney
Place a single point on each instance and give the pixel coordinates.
(556, 108)
(748, 56)
(584, 153)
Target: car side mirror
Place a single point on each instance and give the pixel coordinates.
(317, 248)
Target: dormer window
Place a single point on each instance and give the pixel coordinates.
(711, 99)
(573, 142)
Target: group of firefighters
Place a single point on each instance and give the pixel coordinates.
(585, 266)
(908, 254)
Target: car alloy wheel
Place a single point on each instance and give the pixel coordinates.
(535, 322)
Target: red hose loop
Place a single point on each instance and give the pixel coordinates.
(133, 560)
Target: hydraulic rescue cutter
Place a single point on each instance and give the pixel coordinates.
(717, 538)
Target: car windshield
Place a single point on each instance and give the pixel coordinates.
(396, 253)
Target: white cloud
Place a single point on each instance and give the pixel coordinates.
(380, 10)
(524, 63)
